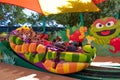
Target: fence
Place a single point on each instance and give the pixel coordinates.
(37, 29)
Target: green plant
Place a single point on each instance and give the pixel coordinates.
(5, 53)
(104, 50)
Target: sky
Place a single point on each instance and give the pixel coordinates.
(28, 12)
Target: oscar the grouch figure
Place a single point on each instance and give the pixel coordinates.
(103, 30)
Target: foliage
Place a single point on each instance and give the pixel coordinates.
(11, 15)
(104, 50)
(35, 20)
(5, 53)
(66, 18)
(7, 59)
(63, 33)
(108, 8)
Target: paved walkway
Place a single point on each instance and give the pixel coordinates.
(10, 72)
(107, 59)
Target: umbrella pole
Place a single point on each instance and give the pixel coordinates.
(81, 19)
(116, 16)
(44, 24)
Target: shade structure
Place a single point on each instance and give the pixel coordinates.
(47, 7)
(98, 1)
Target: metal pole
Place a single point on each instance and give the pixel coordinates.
(81, 19)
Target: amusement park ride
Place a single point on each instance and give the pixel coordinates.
(39, 53)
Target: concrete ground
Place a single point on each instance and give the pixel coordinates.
(10, 72)
(107, 59)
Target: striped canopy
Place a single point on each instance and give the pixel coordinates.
(47, 7)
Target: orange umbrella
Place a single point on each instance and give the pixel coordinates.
(98, 1)
(47, 7)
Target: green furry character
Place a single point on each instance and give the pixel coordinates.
(105, 29)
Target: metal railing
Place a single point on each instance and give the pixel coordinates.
(37, 29)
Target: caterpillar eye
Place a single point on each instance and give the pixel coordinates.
(92, 47)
